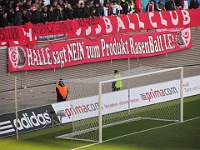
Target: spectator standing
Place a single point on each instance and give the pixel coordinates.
(117, 85)
(87, 13)
(4, 20)
(185, 4)
(82, 9)
(107, 10)
(99, 10)
(40, 11)
(115, 7)
(69, 11)
(62, 91)
(35, 16)
(93, 12)
(56, 11)
(151, 6)
(60, 13)
(124, 5)
(179, 4)
(193, 4)
(170, 5)
(50, 14)
(26, 16)
(44, 15)
(120, 9)
(101, 7)
(129, 8)
(18, 17)
(160, 6)
(77, 11)
(10, 16)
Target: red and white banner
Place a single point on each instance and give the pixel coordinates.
(119, 46)
(116, 24)
(14, 33)
(79, 28)
(135, 22)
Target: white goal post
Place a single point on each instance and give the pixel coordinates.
(150, 97)
(137, 76)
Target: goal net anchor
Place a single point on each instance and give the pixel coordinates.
(53, 121)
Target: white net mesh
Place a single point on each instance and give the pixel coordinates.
(154, 96)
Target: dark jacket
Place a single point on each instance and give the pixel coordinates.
(62, 15)
(3, 22)
(178, 3)
(170, 5)
(87, 13)
(99, 11)
(36, 17)
(10, 16)
(44, 16)
(18, 18)
(26, 18)
(50, 16)
(69, 13)
(56, 14)
(77, 12)
(193, 4)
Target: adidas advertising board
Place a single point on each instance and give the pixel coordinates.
(28, 120)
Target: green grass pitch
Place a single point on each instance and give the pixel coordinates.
(138, 135)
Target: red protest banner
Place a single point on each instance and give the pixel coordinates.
(13, 33)
(119, 46)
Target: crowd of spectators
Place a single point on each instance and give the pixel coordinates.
(19, 12)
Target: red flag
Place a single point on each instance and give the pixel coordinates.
(138, 6)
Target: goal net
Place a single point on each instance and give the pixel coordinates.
(156, 96)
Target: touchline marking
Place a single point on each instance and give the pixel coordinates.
(135, 133)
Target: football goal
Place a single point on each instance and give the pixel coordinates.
(155, 96)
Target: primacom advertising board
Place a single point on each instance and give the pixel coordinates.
(118, 101)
